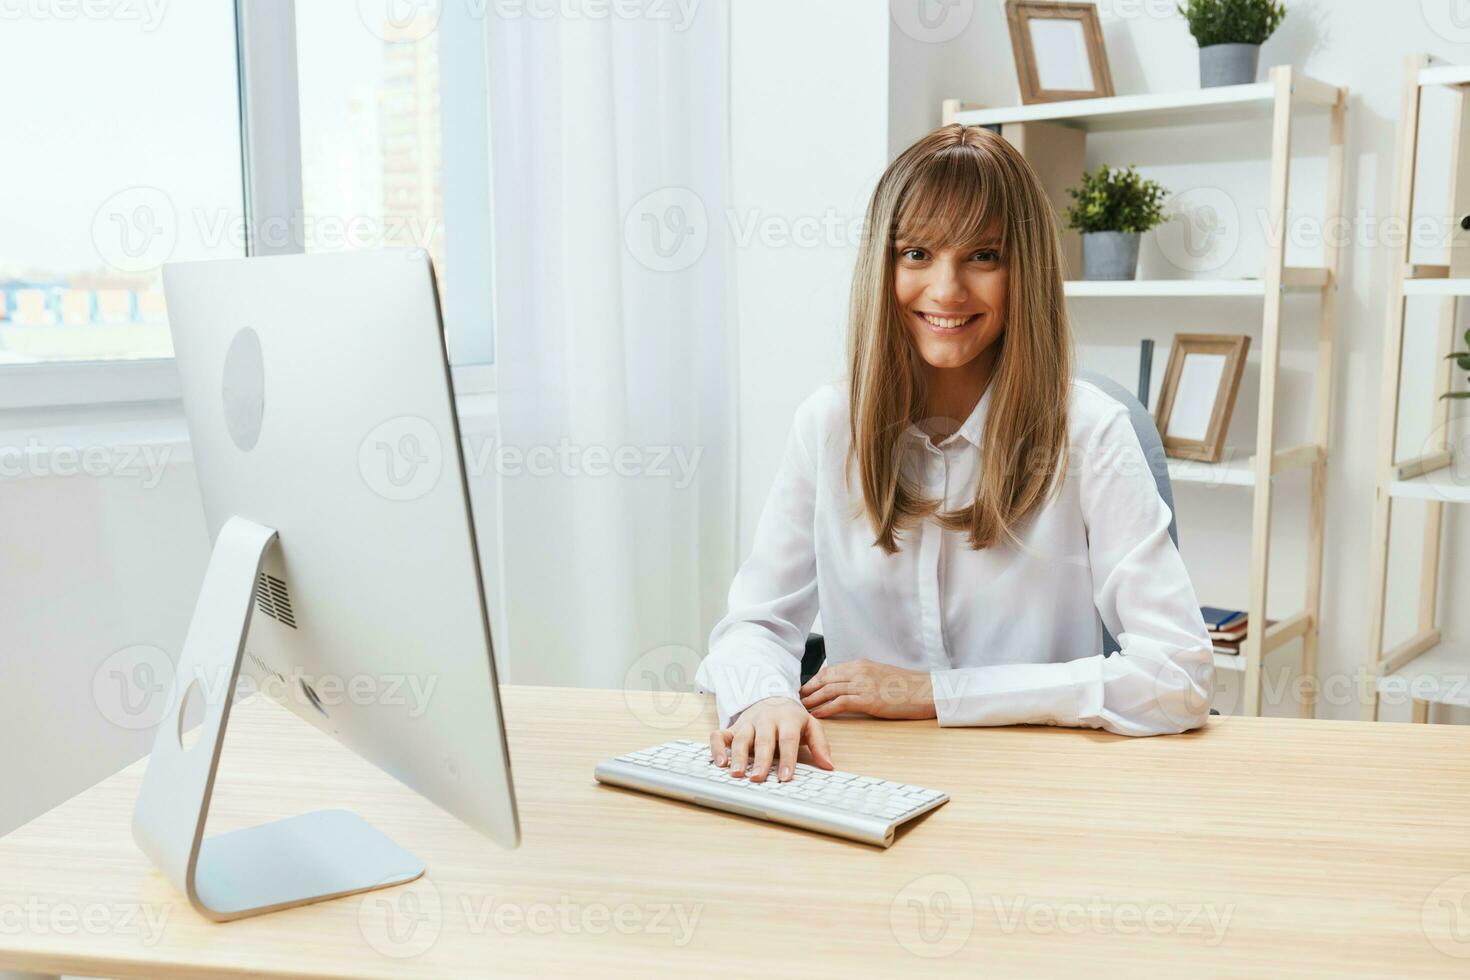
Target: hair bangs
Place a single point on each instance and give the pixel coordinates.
(951, 204)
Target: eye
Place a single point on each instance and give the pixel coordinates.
(986, 255)
(913, 254)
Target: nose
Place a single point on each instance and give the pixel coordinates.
(947, 286)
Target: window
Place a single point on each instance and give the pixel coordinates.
(105, 182)
(381, 151)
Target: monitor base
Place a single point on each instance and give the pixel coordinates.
(294, 861)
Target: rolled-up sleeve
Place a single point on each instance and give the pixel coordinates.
(1162, 679)
(755, 651)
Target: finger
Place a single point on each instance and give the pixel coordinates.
(740, 749)
(837, 705)
(826, 693)
(818, 679)
(765, 749)
(816, 741)
(789, 742)
(717, 742)
(828, 674)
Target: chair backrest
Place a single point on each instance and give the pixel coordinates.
(1153, 451)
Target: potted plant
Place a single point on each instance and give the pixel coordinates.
(1462, 361)
(1230, 34)
(1112, 208)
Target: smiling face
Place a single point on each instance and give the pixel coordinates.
(952, 299)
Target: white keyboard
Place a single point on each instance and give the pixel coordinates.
(843, 804)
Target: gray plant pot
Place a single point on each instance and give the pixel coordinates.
(1110, 254)
(1228, 64)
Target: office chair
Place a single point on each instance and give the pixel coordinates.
(1153, 451)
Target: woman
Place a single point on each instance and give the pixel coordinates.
(961, 566)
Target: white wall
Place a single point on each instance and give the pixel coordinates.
(89, 567)
(809, 130)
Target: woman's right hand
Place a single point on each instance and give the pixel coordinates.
(774, 728)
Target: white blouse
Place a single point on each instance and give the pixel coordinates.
(1009, 634)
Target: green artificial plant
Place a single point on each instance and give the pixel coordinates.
(1232, 21)
(1462, 361)
(1113, 199)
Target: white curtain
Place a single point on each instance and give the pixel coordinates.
(615, 336)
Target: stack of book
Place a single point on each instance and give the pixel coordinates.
(1227, 627)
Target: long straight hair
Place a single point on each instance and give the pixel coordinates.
(949, 190)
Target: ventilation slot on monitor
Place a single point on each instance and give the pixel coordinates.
(272, 599)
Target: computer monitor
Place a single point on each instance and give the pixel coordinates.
(344, 583)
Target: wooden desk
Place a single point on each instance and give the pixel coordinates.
(1253, 847)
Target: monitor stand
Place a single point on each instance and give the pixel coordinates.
(295, 861)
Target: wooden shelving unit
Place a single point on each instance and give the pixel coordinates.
(1421, 667)
(1060, 128)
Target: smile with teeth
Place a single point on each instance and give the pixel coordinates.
(947, 322)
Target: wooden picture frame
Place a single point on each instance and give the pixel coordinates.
(1198, 397)
(1070, 51)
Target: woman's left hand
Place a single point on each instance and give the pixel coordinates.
(880, 690)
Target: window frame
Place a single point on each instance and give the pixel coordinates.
(270, 151)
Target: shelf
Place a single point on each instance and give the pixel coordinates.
(1419, 667)
(1436, 286)
(1445, 75)
(1440, 675)
(1228, 103)
(1294, 277)
(1230, 473)
(1441, 485)
(1241, 471)
(1230, 661)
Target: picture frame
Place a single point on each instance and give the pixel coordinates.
(1198, 395)
(1059, 51)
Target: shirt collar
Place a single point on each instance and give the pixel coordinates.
(971, 430)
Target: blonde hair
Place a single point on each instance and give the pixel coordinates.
(948, 190)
